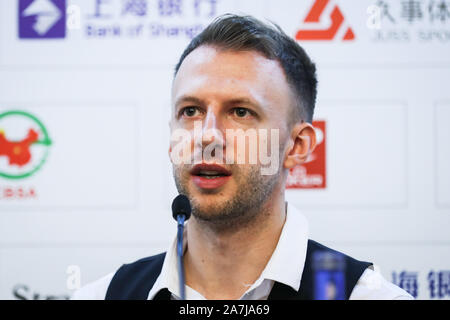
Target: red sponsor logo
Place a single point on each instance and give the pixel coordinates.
(18, 152)
(314, 16)
(312, 173)
(17, 193)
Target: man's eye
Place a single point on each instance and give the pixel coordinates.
(241, 112)
(189, 111)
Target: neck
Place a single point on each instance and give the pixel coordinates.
(223, 265)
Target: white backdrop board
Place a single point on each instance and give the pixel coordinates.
(97, 81)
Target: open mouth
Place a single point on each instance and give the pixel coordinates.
(210, 171)
(209, 176)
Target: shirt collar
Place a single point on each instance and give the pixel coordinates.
(288, 259)
(285, 265)
(168, 278)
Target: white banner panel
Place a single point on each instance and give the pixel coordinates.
(112, 32)
(418, 268)
(91, 160)
(366, 166)
(367, 32)
(73, 267)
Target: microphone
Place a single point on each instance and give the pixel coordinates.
(181, 206)
(181, 211)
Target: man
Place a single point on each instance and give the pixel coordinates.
(243, 241)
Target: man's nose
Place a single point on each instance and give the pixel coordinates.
(212, 129)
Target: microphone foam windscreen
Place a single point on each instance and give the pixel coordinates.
(181, 205)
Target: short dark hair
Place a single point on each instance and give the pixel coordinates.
(234, 32)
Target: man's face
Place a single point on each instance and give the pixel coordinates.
(223, 90)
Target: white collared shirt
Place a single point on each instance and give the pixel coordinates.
(285, 266)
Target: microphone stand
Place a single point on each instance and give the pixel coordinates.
(181, 211)
(180, 220)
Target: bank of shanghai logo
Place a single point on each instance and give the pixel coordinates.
(316, 15)
(40, 19)
(312, 173)
(24, 144)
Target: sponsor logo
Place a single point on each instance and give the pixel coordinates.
(24, 144)
(114, 19)
(409, 21)
(42, 19)
(316, 15)
(437, 283)
(312, 173)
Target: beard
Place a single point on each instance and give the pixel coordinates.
(241, 209)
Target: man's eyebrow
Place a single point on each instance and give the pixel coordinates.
(233, 101)
(188, 99)
(247, 101)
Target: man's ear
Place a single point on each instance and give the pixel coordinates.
(302, 144)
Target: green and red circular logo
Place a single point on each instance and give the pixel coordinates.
(24, 144)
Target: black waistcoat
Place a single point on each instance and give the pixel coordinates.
(135, 280)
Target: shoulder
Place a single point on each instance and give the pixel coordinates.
(366, 279)
(97, 290)
(373, 286)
